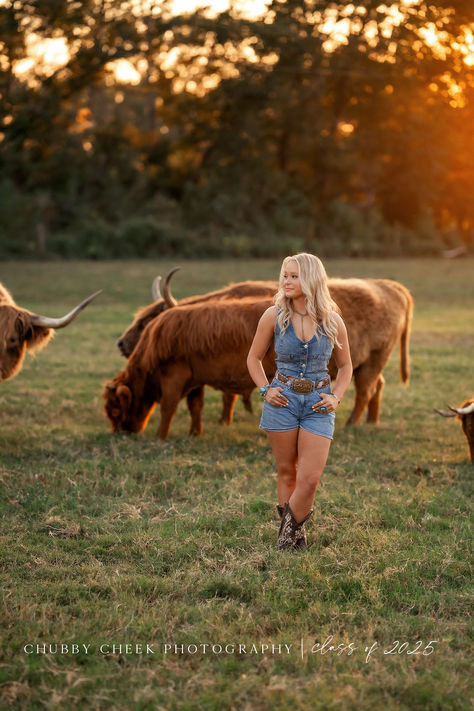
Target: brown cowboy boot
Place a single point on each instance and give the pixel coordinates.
(291, 535)
(300, 536)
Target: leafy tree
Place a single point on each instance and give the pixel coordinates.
(317, 120)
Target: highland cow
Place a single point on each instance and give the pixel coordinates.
(22, 330)
(465, 414)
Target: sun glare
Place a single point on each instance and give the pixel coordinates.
(252, 9)
(125, 72)
(466, 46)
(47, 55)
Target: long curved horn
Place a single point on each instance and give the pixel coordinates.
(444, 413)
(167, 295)
(155, 289)
(46, 322)
(463, 410)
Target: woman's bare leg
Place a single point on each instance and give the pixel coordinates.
(312, 454)
(284, 446)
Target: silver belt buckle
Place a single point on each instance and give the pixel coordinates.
(303, 386)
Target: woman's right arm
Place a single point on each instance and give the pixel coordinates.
(258, 349)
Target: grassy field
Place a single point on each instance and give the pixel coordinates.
(113, 539)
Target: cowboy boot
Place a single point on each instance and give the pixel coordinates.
(300, 538)
(291, 534)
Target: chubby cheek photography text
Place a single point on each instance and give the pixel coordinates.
(302, 648)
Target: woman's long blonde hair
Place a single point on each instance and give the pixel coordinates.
(319, 304)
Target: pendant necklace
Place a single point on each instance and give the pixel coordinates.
(302, 322)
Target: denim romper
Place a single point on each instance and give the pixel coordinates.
(306, 359)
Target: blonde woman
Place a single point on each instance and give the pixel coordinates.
(300, 403)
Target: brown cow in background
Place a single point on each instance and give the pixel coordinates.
(179, 352)
(22, 330)
(465, 414)
(129, 339)
(377, 314)
(188, 347)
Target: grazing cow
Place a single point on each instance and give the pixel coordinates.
(178, 353)
(22, 330)
(188, 347)
(465, 413)
(129, 339)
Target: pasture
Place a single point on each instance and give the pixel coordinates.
(115, 539)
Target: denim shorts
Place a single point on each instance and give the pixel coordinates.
(298, 413)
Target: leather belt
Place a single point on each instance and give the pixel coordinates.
(302, 385)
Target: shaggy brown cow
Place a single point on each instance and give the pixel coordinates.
(129, 339)
(178, 353)
(22, 330)
(378, 315)
(190, 346)
(465, 413)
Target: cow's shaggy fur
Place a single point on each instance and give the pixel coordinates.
(129, 339)
(17, 335)
(467, 423)
(208, 329)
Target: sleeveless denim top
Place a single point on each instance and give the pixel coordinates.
(302, 359)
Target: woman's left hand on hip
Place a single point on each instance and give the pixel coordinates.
(327, 401)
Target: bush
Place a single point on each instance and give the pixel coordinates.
(27, 229)
(147, 236)
(349, 231)
(17, 238)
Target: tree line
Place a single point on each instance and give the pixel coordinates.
(337, 128)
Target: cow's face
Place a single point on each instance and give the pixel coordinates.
(127, 410)
(129, 339)
(17, 334)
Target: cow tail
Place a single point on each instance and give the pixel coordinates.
(405, 343)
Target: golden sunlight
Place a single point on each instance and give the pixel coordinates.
(44, 56)
(47, 55)
(253, 9)
(466, 46)
(125, 72)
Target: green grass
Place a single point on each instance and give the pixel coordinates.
(114, 539)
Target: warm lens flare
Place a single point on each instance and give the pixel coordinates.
(125, 72)
(44, 55)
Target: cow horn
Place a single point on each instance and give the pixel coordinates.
(155, 289)
(167, 295)
(444, 413)
(463, 410)
(46, 322)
